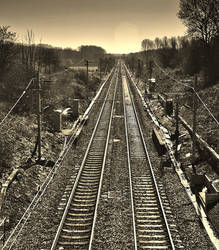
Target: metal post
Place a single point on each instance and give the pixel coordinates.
(150, 76)
(177, 127)
(139, 70)
(194, 121)
(39, 115)
(150, 69)
(87, 69)
(100, 70)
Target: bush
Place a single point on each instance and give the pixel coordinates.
(81, 77)
(11, 133)
(12, 86)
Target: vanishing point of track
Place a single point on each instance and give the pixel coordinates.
(152, 222)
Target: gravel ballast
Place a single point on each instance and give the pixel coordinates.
(40, 229)
(192, 233)
(113, 229)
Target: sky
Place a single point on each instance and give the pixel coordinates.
(118, 26)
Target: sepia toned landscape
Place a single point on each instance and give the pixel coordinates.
(109, 124)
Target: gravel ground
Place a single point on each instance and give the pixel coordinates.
(192, 234)
(40, 229)
(185, 157)
(113, 229)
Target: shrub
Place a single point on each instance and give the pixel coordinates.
(11, 133)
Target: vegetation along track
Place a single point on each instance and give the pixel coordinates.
(153, 223)
(76, 227)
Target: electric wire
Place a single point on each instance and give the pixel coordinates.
(51, 174)
(192, 88)
(15, 104)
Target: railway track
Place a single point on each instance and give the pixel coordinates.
(152, 218)
(76, 227)
(153, 222)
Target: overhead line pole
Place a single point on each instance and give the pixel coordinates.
(87, 69)
(100, 69)
(39, 115)
(194, 121)
(177, 127)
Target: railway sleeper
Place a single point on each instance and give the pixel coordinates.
(154, 236)
(89, 180)
(147, 201)
(81, 214)
(92, 166)
(152, 231)
(155, 247)
(141, 224)
(148, 216)
(77, 226)
(153, 242)
(143, 220)
(85, 191)
(88, 186)
(79, 219)
(74, 204)
(75, 237)
(90, 175)
(75, 244)
(83, 201)
(149, 205)
(91, 170)
(85, 196)
(76, 231)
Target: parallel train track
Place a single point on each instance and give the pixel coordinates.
(151, 215)
(76, 228)
(152, 218)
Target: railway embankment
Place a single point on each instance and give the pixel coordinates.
(184, 211)
(22, 175)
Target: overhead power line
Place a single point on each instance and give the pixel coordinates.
(18, 100)
(181, 83)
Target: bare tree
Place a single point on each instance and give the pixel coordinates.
(147, 44)
(201, 18)
(165, 42)
(158, 43)
(28, 51)
(173, 43)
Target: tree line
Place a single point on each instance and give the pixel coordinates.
(20, 60)
(195, 53)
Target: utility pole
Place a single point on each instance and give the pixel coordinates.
(150, 68)
(39, 115)
(100, 69)
(194, 124)
(139, 69)
(86, 63)
(177, 127)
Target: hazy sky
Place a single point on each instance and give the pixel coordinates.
(118, 26)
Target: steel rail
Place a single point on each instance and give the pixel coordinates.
(129, 168)
(52, 172)
(103, 164)
(55, 241)
(151, 169)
